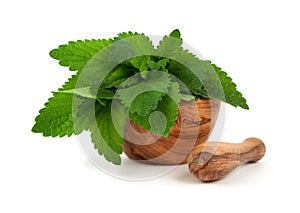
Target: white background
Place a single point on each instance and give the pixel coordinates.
(256, 42)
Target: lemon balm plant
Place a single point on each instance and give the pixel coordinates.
(127, 78)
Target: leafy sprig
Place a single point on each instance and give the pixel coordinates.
(146, 88)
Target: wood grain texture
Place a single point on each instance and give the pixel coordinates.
(214, 160)
(193, 126)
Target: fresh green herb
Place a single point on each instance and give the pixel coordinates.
(127, 77)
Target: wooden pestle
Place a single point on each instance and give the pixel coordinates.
(213, 160)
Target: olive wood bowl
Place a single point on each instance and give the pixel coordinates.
(193, 126)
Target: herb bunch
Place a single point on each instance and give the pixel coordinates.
(146, 88)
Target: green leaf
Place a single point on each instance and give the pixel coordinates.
(140, 62)
(118, 75)
(168, 107)
(145, 102)
(218, 83)
(140, 120)
(84, 92)
(141, 44)
(103, 148)
(232, 95)
(176, 34)
(152, 64)
(184, 92)
(103, 63)
(105, 93)
(187, 68)
(187, 78)
(162, 63)
(194, 73)
(159, 65)
(169, 47)
(76, 55)
(104, 135)
(186, 97)
(158, 123)
(56, 119)
(130, 81)
(124, 35)
(156, 81)
(197, 75)
(168, 113)
(173, 92)
(147, 92)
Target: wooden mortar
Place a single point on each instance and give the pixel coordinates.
(192, 128)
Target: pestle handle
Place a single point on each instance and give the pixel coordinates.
(214, 160)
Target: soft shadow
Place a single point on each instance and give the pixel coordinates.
(87, 164)
(246, 174)
(182, 174)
